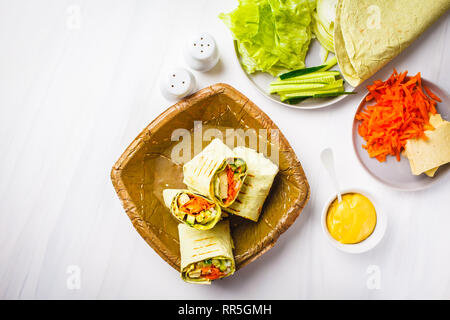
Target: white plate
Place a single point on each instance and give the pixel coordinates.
(261, 81)
(397, 174)
(368, 243)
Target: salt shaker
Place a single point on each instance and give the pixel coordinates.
(177, 83)
(200, 52)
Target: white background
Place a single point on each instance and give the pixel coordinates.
(74, 94)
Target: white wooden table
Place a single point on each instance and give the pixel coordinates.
(79, 80)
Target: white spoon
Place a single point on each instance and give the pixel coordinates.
(328, 162)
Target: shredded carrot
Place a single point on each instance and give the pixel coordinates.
(196, 205)
(401, 112)
(211, 272)
(233, 186)
(431, 94)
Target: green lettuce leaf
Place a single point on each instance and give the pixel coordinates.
(272, 35)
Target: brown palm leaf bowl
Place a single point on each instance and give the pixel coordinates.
(147, 167)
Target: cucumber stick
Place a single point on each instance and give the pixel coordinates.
(312, 94)
(314, 82)
(316, 75)
(307, 87)
(325, 79)
(300, 72)
(297, 87)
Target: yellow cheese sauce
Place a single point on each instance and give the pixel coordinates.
(352, 220)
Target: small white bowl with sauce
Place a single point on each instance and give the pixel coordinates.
(368, 243)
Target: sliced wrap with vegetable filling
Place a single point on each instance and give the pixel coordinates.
(256, 187)
(206, 255)
(216, 173)
(192, 209)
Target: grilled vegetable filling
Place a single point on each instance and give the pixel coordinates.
(210, 269)
(194, 209)
(229, 180)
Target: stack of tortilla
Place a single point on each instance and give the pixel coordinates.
(201, 243)
(370, 33)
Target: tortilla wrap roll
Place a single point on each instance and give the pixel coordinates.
(256, 187)
(216, 173)
(192, 209)
(370, 33)
(206, 255)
